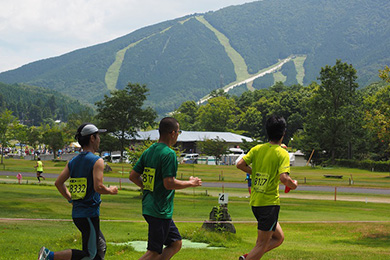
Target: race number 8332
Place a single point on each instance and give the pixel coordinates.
(148, 178)
(78, 188)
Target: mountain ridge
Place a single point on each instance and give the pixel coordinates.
(185, 58)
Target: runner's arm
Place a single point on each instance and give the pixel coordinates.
(60, 183)
(98, 185)
(244, 167)
(135, 177)
(171, 183)
(286, 180)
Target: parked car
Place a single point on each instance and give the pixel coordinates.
(236, 151)
(190, 158)
(114, 158)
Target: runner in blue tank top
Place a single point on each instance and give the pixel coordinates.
(85, 174)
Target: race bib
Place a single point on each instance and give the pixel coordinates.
(78, 188)
(261, 182)
(148, 178)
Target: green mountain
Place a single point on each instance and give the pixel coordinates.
(249, 46)
(34, 105)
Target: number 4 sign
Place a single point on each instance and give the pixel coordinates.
(223, 198)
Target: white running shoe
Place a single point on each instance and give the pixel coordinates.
(43, 253)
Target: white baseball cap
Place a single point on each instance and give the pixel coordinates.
(89, 129)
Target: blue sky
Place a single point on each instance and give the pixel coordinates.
(32, 30)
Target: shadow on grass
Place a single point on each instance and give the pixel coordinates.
(377, 240)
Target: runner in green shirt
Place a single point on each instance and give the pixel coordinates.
(155, 172)
(270, 164)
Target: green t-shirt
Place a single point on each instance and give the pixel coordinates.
(268, 162)
(156, 163)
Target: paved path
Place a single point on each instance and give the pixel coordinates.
(307, 188)
(230, 184)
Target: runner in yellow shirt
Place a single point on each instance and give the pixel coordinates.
(270, 165)
(39, 168)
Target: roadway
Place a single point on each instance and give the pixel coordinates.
(12, 175)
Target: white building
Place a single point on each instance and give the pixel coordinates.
(297, 159)
(187, 139)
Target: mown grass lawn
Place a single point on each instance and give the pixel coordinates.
(309, 234)
(215, 173)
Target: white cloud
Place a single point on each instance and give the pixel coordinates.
(35, 29)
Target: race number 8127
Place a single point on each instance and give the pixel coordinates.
(261, 181)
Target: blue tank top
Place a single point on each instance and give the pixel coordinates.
(81, 166)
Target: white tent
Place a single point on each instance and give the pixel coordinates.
(74, 145)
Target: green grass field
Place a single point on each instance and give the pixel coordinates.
(214, 173)
(35, 215)
(308, 235)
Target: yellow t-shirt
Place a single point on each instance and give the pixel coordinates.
(39, 166)
(268, 162)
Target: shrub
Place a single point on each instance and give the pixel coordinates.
(378, 166)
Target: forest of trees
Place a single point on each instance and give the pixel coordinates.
(34, 106)
(333, 117)
(121, 113)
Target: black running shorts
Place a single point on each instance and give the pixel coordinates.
(267, 217)
(161, 232)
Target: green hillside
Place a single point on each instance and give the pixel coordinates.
(354, 31)
(182, 63)
(187, 58)
(34, 105)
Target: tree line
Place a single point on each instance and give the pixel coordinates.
(334, 117)
(121, 114)
(34, 106)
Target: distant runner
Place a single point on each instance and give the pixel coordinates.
(249, 180)
(39, 168)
